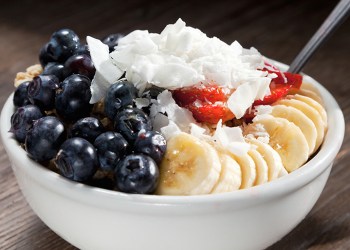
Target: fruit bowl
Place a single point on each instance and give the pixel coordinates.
(254, 218)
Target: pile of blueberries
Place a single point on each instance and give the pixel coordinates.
(55, 122)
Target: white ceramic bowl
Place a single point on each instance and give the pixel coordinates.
(255, 218)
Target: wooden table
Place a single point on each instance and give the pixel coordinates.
(278, 29)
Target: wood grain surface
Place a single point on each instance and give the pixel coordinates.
(277, 28)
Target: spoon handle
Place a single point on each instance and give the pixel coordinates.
(338, 15)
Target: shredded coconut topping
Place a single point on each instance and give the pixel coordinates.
(258, 132)
(263, 110)
(231, 138)
(182, 56)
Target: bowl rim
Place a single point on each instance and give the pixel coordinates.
(254, 195)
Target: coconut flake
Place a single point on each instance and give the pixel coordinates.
(263, 110)
(237, 48)
(141, 102)
(106, 72)
(231, 138)
(170, 130)
(238, 148)
(258, 132)
(165, 112)
(159, 121)
(200, 132)
(180, 116)
(182, 56)
(262, 116)
(99, 86)
(245, 94)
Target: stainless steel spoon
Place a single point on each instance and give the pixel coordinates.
(333, 21)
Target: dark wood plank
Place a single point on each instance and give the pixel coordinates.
(277, 28)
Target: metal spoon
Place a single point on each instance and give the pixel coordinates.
(333, 21)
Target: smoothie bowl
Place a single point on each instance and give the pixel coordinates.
(234, 161)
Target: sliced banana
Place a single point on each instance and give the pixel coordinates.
(230, 176)
(190, 166)
(287, 139)
(311, 113)
(301, 120)
(262, 170)
(282, 173)
(248, 170)
(320, 109)
(308, 93)
(272, 158)
(310, 87)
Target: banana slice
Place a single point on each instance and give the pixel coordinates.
(309, 112)
(247, 168)
(308, 86)
(308, 93)
(282, 173)
(190, 166)
(272, 158)
(287, 139)
(262, 170)
(313, 104)
(301, 120)
(230, 176)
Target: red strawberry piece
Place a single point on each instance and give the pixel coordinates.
(279, 86)
(295, 80)
(210, 113)
(283, 77)
(277, 92)
(210, 94)
(207, 103)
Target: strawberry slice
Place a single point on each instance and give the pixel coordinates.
(277, 92)
(210, 113)
(207, 103)
(210, 94)
(295, 80)
(280, 86)
(283, 77)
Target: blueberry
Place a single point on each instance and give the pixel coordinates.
(83, 49)
(45, 55)
(20, 98)
(44, 138)
(77, 159)
(137, 173)
(81, 64)
(111, 147)
(72, 101)
(42, 90)
(63, 44)
(151, 143)
(112, 40)
(88, 128)
(22, 120)
(57, 69)
(130, 121)
(119, 95)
